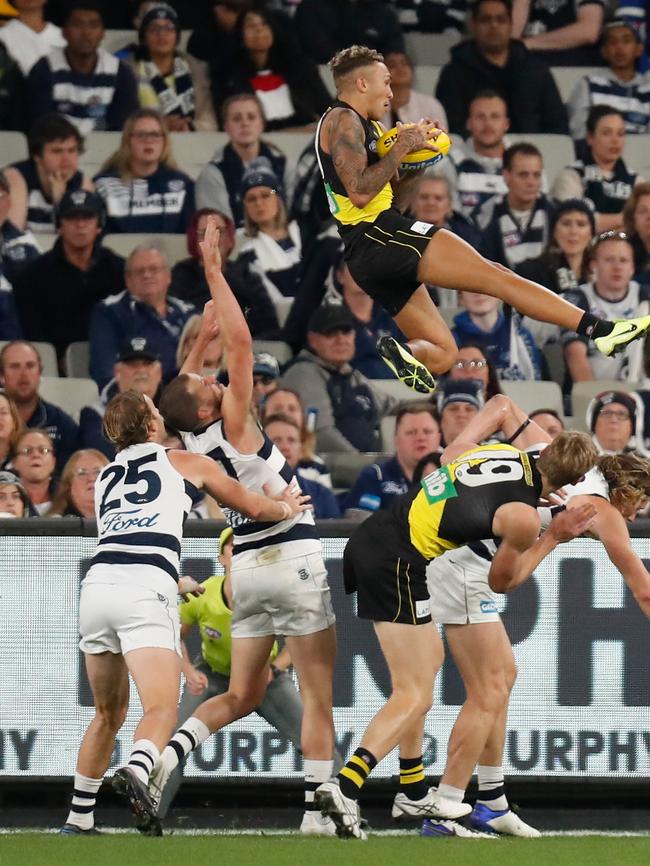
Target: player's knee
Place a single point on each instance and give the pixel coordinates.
(245, 701)
(492, 694)
(418, 701)
(449, 351)
(111, 716)
(510, 673)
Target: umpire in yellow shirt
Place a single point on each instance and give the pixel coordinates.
(212, 612)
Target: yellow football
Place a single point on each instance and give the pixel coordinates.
(417, 158)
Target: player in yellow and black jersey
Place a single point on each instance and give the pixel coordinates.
(480, 492)
(391, 256)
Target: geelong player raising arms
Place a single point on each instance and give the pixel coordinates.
(128, 617)
(278, 576)
(391, 256)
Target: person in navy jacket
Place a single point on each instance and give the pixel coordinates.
(143, 309)
(417, 433)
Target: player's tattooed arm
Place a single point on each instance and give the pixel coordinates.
(347, 148)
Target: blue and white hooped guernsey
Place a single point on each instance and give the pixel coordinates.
(267, 468)
(141, 503)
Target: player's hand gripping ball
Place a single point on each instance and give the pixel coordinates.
(418, 158)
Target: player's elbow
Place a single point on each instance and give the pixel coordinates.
(499, 581)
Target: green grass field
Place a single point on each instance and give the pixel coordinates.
(33, 849)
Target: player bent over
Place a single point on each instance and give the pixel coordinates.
(128, 617)
(391, 256)
(486, 491)
(461, 600)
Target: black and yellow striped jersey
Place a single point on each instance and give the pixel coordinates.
(342, 209)
(456, 504)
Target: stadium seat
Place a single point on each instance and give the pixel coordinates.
(387, 429)
(395, 388)
(48, 357)
(46, 242)
(98, 147)
(448, 314)
(70, 395)
(582, 394)
(192, 151)
(430, 48)
(13, 147)
(115, 40)
(566, 77)
(426, 78)
(280, 351)
(637, 154)
(77, 360)
(174, 245)
(534, 395)
(345, 466)
(290, 143)
(554, 356)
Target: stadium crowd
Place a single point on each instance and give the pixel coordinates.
(104, 201)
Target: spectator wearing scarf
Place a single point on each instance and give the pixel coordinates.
(164, 75)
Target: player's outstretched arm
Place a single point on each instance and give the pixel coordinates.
(521, 551)
(205, 474)
(208, 331)
(500, 414)
(347, 147)
(611, 529)
(235, 333)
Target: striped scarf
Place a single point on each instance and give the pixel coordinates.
(177, 98)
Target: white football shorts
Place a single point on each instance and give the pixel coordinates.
(459, 589)
(117, 618)
(281, 596)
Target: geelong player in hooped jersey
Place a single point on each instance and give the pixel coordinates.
(128, 617)
(278, 577)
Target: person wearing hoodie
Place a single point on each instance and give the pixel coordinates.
(348, 407)
(509, 345)
(492, 59)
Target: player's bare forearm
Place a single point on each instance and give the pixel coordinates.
(510, 570)
(234, 330)
(194, 361)
(348, 150)
(232, 324)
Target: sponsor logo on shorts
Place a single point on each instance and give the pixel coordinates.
(422, 608)
(488, 607)
(213, 633)
(421, 227)
(303, 573)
